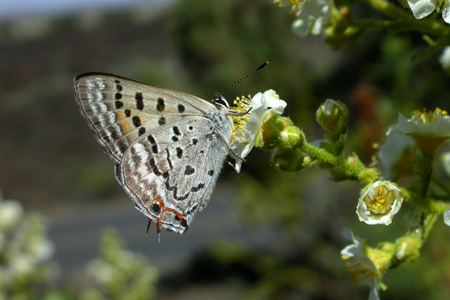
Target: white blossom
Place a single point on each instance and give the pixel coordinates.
(444, 59)
(312, 18)
(247, 126)
(379, 202)
(359, 265)
(447, 217)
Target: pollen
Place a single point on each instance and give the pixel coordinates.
(296, 5)
(241, 105)
(429, 117)
(380, 202)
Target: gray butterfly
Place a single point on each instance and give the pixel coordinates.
(168, 146)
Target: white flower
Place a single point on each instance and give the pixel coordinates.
(247, 127)
(358, 264)
(423, 8)
(444, 59)
(312, 18)
(447, 217)
(379, 202)
(445, 158)
(432, 123)
(429, 129)
(10, 214)
(397, 154)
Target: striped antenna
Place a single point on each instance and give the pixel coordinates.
(245, 77)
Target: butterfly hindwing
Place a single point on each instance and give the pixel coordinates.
(175, 181)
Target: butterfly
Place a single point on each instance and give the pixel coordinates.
(168, 146)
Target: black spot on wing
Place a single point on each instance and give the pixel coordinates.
(179, 152)
(139, 101)
(160, 106)
(118, 104)
(136, 121)
(189, 170)
(154, 167)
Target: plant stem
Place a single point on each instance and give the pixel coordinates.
(403, 21)
(324, 156)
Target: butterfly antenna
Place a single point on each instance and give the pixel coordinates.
(245, 77)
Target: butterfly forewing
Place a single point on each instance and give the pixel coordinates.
(119, 110)
(168, 146)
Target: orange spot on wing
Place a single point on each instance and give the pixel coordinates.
(120, 115)
(126, 126)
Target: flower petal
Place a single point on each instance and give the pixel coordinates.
(446, 12)
(447, 217)
(422, 8)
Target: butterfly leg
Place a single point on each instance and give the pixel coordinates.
(149, 222)
(231, 165)
(158, 229)
(229, 149)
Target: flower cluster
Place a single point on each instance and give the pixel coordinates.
(24, 248)
(119, 273)
(312, 15)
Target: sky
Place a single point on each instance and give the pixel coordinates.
(16, 8)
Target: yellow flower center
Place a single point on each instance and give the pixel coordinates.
(241, 105)
(296, 5)
(429, 117)
(381, 202)
(361, 273)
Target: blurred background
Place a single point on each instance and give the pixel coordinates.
(265, 234)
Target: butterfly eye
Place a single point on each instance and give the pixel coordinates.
(220, 100)
(184, 223)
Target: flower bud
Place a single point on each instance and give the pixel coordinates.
(333, 117)
(408, 248)
(271, 128)
(368, 176)
(290, 160)
(292, 137)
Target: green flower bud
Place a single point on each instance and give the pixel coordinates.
(333, 117)
(382, 258)
(368, 176)
(292, 137)
(408, 248)
(290, 160)
(271, 128)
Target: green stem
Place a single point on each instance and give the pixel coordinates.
(441, 185)
(324, 156)
(403, 21)
(388, 9)
(426, 169)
